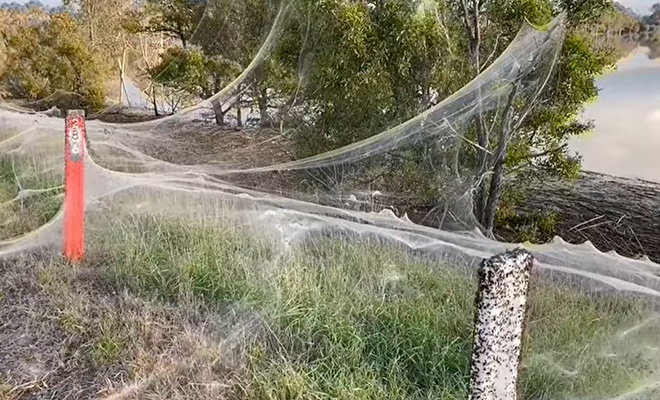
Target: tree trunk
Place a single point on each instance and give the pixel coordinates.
(3, 54)
(239, 112)
(498, 171)
(261, 94)
(219, 113)
(122, 81)
(182, 35)
(482, 192)
(262, 100)
(154, 100)
(472, 27)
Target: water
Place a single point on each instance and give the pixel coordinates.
(626, 138)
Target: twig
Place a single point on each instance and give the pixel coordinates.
(586, 222)
(637, 239)
(594, 226)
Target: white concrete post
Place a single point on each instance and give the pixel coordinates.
(499, 323)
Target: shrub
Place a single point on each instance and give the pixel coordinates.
(47, 55)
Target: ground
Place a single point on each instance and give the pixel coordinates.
(172, 308)
(163, 310)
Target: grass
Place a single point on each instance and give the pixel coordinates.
(329, 319)
(30, 196)
(160, 304)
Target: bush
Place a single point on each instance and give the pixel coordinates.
(47, 55)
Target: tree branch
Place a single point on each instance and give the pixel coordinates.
(550, 151)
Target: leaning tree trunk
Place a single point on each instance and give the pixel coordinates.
(498, 170)
(122, 81)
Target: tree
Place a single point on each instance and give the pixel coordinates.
(653, 18)
(538, 146)
(190, 72)
(103, 21)
(376, 65)
(225, 33)
(32, 4)
(369, 68)
(177, 18)
(50, 54)
(106, 23)
(235, 30)
(353, 69)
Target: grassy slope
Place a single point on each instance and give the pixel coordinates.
(173, 311)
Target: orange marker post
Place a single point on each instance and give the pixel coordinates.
(74, 180)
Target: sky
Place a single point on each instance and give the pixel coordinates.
(46, 2)
(641, 6)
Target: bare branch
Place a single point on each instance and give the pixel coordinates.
(492, 54)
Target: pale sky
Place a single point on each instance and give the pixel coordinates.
(45, 2)
(641, 6)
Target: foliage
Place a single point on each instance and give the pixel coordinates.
(190, 72)
(31, 4)
(654, 17)
(346, 70)
(177, 18)
(537, 228)
(539, 146)
(372, 68)
(51, 54)
(376, 66)
(103, 22)
(550, 126)
(226, 33)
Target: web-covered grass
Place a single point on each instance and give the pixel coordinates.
(340, 319)
(169, 301)
(30, 195)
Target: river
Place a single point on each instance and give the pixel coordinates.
(626, 139)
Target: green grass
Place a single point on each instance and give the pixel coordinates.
(356, 320)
